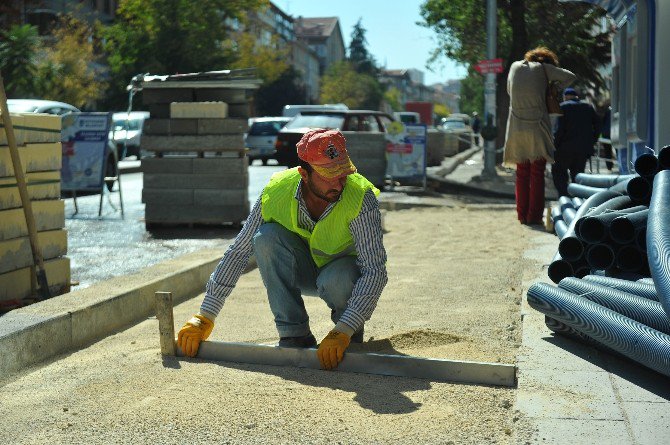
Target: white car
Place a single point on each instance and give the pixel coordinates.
(126, 132)
(262, 136)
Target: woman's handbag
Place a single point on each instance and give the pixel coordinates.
(552, 96)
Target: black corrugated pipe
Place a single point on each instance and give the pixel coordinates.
(639, 189)
(577, 202)
(641, 238)
(597, 180)
(565, 202)
(564, 329)
(633, 339)
(632, 306)
(615, 272)
(629, 258)
(559, 269)
(570, 247)
(664, 158)
(583, 191)
(600, 256)
(560, 227)
(614, 204)
(595, 229)
(556, 214)
(658, 237)
(622, 228)
(569, 214)
(644, 290)
(581, 269)
(646, 165)
(646, 281)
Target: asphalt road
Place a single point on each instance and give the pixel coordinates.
(103, 247)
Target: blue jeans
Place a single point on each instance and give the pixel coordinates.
(288, 271)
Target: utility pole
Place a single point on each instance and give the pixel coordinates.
(490, 88)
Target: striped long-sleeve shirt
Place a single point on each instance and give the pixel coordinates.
(366, 230)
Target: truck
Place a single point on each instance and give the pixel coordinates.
(425, 110)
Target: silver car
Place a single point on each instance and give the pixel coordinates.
(262, 136)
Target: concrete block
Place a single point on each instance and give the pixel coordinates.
(16, 253)
(159, 111)
(220, 197)
(221, 166)
(167, 165)
(49, 215)
(201, 181)
(198, 109)
(220, 94)
(223, 142)
(17, 283)
(166, 95)
(222, 126)
(33, 128)
(167, 196)
(196, 214)
(41, 185)
(183, 126)
(34, 157)
(156, 126)
(242, 110)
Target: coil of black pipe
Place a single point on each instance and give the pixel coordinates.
(597, 180)
(559, 269)
(629, 258)
(664, 157)
(556, 214)
(658, 237)
(577, 202)
(639, 189)
(595, 229)
(583, 191)
(644, 290)
(570, 243)
(560, 227)
(646, 164)
(565, 202)
(568, 215)
(622, 228)
(600, 256)
(630, 338)
(640, 309)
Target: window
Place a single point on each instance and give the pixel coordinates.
(386, 121)
(316, 121)
(352, 124)
(368, 123)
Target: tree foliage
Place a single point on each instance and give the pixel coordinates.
(270, 61)
(18, 51)
(342, 84)
(271, 97)
(168, 37)
(393, 97)
(472, 93)
(65, 72)
(359, 56)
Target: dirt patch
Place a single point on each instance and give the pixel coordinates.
(454, 291)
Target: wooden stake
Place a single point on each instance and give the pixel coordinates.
(165, 323)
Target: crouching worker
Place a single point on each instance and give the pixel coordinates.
(315, 230)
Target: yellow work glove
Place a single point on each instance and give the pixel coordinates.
(331, 350)
(192, 333)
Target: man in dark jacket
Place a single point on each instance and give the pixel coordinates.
(576, 133)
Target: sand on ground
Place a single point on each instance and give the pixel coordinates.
(454, 292)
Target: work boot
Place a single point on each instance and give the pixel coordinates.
(358, 336)
(305, 341)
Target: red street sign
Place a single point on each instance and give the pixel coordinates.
(489, 66)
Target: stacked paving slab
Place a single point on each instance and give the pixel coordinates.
(368, 153)
(38, 139)
(199, 170)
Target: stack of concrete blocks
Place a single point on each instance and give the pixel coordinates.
(440, 144)
(199, 172)
(38, 140)
(368, 153)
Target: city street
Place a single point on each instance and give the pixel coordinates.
(106, 247)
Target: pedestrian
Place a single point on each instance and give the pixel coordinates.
(529, 142)
(476, 126)
(577, 132)
(605, 133)
(315, 230)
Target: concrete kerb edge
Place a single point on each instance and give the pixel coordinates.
(453, 162)
(47, 335)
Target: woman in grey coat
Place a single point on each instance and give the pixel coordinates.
(529, 141)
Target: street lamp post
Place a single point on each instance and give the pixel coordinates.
(490, 88)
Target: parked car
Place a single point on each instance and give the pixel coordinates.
(126, 132)
(294, 110)
(407, 117)
(61, 108)
(345, 120)
(459, 127)
(261, 138)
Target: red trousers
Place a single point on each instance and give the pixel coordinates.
(529, 190)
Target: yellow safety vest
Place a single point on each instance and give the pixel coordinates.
(330, 238)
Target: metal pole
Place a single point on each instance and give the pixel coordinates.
(490, 87)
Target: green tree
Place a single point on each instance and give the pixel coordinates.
(566, 28)
(359, 56)
(441, 110)
(270, 98)
(65, 70)
(341, 83)
(168, 37)
(472, 93)
(270, 61)
(18, 50)
(393, 97)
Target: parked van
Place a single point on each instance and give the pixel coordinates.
(407, 117)
(294, 110)
(127, 131)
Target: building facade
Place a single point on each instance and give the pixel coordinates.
(324, 36)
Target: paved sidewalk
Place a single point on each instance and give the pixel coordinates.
(569, 393)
